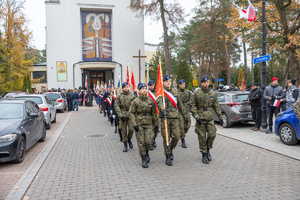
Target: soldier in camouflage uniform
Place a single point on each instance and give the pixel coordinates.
(172, 114)
(185, 96)
(201, 104)
(122, 105)
(143, 115)
(297, 110)
(151, 88)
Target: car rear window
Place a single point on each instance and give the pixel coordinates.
(240, 98)
(53, 97)
(11, 111)
(37, 100)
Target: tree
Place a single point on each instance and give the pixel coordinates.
(13, 43)
(240, 78)
(154, 62)
(190, 87)
(184, 72)
(170, 14)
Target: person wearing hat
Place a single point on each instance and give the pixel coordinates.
(142, 115)
(202, 103)
(292, 94)
(152, 93)
(232, 87)
(173, 107)
(122, 106)
(185, 96)
(254, 99)
(221, 88)
(273, 92)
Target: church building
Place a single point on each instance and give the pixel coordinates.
(93, 40)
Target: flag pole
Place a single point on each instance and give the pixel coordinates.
(147, 79)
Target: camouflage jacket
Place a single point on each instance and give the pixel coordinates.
(202, 103)
(185, 97)
(143, 111)
(123, 103)
(297, 110)
(170, 108)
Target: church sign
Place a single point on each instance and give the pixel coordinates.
(96, 36)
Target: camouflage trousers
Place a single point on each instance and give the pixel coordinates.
(144, 138)
(206, 142)
(123, 127)
(173, 132)
(153, 128)
(184, 127)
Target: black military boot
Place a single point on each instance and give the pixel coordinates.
(148, 157)
(116, 130)
(204, 158)
(168, 160)
(171, 155)
(130, 143)
(151, 147)
(120, 134)
(144, 161)
(154, 143)
(125, 147)
(208, 155)
(183, 143)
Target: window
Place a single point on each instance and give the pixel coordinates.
(37, 100)
(48, 100)
(11, 111)
(40, 74)
(240, 98)
(35, 107)
(28, 108)
(221, 97)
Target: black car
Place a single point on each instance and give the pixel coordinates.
(22, 124)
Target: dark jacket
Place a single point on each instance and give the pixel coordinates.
(255, 97)
(273, 91)
(75, 96)
(69, 96)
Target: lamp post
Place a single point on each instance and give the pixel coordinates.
(264, 123)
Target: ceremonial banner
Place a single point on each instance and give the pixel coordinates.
(61, 69)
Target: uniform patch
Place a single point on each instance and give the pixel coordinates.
(211, 97)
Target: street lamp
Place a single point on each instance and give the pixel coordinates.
(264, 123)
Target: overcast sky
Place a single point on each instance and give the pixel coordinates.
(35, 12)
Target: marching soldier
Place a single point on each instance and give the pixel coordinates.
(152, 92)
(173, 104)
(142, 115)
(185, 96)
(202, 103)
(122, 105)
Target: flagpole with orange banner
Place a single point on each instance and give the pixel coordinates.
(134, 88)
(160, 92)
(128, 75)
(147, 79)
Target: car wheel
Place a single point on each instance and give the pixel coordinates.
(21, 150)
(287, 134)
(54, 121)
(62, 110)
(226, 123)
(43, 138)
(48, 126)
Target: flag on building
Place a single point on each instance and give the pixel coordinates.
(133, 82)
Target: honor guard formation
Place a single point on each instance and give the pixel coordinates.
(149, 110)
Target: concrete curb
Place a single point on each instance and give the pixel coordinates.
(24, 182)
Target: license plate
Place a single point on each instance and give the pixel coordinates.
(249, 116)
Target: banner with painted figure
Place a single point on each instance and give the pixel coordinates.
(96, 36)
(61, 67)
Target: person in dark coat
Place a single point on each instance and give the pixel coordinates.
(69, 100)
(232, 88)
(110, 107)
(75, 97)
(254, 99)
(81, 99)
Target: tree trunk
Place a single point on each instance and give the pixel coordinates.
(227, 52)
(245, 59)
(252, 68)
(166, 38)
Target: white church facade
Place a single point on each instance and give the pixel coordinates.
(94, 39)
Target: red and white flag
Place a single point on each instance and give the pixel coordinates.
(152, 96)
(171, 98)
(248, 14)
(86, 82)
(108, 101)
(276, 103)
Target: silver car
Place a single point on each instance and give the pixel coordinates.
(58, 99)
(234, 107)
(45, 104)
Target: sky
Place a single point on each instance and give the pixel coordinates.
(35, 12)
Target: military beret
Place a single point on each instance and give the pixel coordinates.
(124, 84)
(151, 82)
(255, 83)
(166, 77)
(142, 85)
(293, 81)
(204, 78)
(181, 81)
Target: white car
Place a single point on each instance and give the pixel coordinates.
(45, 104)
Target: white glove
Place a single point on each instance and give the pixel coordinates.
(106, 111)
(114, 116)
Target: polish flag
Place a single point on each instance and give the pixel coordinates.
(133, 82)
(86, 82)
(248, 14)
(128, 76)
(276, 103)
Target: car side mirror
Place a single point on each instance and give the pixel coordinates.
(33, 115)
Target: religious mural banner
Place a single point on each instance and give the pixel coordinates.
(96, 36)
(61, 67)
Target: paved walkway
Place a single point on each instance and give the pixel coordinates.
(83, 167)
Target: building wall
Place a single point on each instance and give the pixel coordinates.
(64, 38)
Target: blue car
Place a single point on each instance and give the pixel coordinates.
(287, 127)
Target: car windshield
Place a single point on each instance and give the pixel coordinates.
(240, 98)
(37, 100)
(11, 111)
(53, 97)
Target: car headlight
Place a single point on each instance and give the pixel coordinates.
(7, 138)
(279, 114)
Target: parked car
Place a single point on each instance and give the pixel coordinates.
(45, 104)
(287, 127)
(234, 107)
(11, 95)
(58, 99)
(22, 124)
